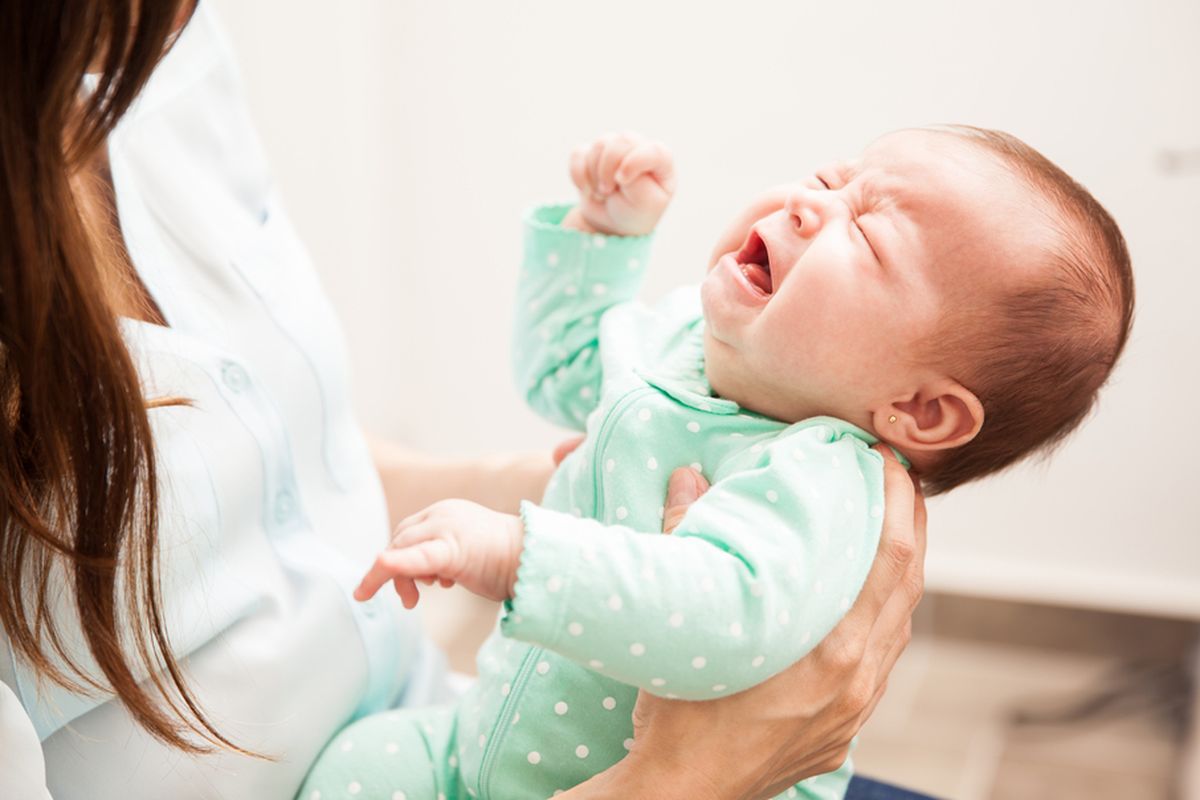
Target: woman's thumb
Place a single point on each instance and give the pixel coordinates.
(684, 488)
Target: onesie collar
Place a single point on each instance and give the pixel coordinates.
(681, 375)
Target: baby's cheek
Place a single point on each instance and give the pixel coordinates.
(813, 339)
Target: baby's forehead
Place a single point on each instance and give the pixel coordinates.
(930, 168)
(939, 179)
(954, 197)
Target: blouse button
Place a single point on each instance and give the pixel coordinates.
(285, 505)
(234, 376)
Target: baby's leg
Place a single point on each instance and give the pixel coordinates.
(396, 755)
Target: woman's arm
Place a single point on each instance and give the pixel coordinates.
(413, 480)
(798, 724)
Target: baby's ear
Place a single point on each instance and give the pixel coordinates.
(939, 416)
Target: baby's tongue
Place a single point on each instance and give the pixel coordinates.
(758, 276)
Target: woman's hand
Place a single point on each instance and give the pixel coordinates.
(799, 723)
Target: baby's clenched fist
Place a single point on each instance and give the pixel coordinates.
(625, 182)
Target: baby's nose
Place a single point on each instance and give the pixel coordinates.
(806, 209)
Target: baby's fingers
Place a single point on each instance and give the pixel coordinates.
(611, 156)
(579, 173)
(408, 591)
(650, 158)
(592, 163)
(430, 557)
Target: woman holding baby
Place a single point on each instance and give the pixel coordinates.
(188, 502)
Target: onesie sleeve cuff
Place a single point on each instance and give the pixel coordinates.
(594, 263)
(546, 574)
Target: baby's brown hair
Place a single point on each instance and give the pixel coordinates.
(1037, 358)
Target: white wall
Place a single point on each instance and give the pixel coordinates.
(409, 136)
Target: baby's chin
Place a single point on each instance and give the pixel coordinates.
(719, 358)
(733, 378)
(724, 367)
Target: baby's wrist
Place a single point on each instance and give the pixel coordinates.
(516, 548)
(574, 220)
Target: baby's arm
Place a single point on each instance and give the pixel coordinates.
(579, 262)
(758, 572)
(760, 569)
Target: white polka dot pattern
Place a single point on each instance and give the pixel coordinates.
(775, 552)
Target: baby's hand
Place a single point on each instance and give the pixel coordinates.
(625, 183)
(452, 541)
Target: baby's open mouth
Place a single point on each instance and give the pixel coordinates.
(755, 263)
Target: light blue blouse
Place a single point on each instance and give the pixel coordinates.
(271, 507)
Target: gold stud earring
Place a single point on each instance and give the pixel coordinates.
(892, 418)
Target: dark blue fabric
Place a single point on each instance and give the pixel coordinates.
(867, 789)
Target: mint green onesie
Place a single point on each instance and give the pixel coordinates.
(760, 569)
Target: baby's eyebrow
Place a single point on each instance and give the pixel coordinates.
(840, 170)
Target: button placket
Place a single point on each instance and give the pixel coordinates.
(235, 377)
(285, 505)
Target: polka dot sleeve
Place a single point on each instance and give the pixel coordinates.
(761, 568)
(569, 279)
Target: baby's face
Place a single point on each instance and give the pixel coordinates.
(822, 294)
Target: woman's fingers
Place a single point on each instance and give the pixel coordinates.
(565, 448)
(920, 518)
(684, 488)
(892, 629)
(897, 542)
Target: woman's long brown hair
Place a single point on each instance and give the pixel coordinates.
(78, 492)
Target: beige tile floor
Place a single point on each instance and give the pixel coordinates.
(947, 727)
